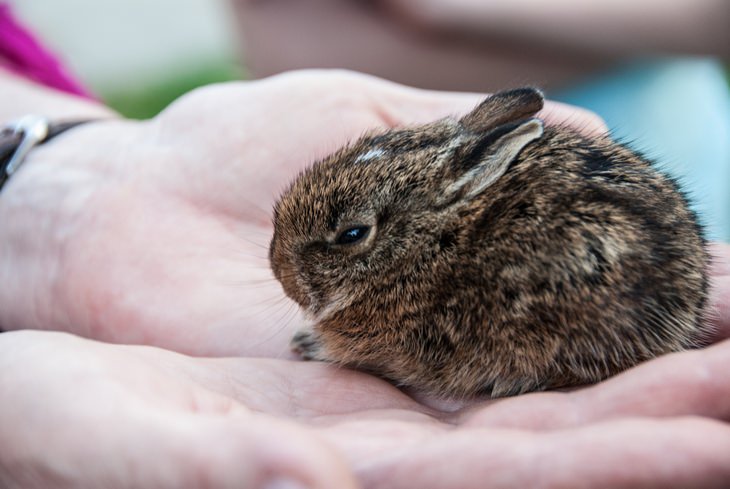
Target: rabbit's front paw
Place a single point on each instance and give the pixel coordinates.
(306, 343)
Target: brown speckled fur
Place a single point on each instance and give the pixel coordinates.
(580, 261)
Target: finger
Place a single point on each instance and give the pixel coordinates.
(400, 105)
(394, 104)
(688, 383)
(720, 253)
(628, 453)
(578, 118)
(719, 314)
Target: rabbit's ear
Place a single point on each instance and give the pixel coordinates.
(480, 164)
(502, 108)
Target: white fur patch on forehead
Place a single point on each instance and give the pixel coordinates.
(370, 155)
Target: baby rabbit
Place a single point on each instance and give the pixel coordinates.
(490, 255)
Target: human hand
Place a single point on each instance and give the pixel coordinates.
(80, 414)
(599, 29)
(165, 420)
(156, 232)
(719, 310)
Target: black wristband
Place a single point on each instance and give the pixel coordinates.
(12, 138)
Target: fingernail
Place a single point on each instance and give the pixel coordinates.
(284, 483)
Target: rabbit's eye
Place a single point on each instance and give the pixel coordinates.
(352, 235)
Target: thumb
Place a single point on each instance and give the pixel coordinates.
(401, 105)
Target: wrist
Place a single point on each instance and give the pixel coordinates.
(41, 210)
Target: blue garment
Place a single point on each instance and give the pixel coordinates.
(677, 113)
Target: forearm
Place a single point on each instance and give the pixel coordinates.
(621, 27)
(19, 96)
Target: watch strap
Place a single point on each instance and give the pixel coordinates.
(23, 136)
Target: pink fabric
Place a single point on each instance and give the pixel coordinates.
(21, 53)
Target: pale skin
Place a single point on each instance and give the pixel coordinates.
(620, 27)
(155, 233)
(476, 44)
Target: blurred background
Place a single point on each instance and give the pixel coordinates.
(138, 55)
(655, 71)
